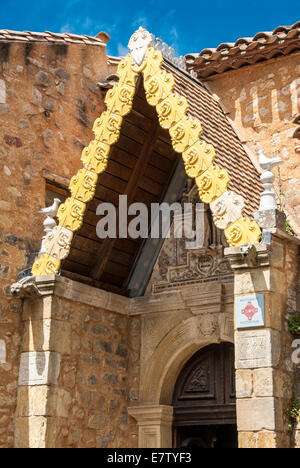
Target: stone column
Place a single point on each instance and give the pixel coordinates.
(155, 425)
(264, 368)
(45, 338)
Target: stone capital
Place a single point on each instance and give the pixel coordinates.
(251, 256)
(155, 425)
(152, 415)
(34, 286)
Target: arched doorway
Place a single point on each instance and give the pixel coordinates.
(204, 400)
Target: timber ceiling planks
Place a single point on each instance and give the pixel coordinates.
(140, 166)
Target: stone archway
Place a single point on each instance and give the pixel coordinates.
(154, 414)
(204, 400)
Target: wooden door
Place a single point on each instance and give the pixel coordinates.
(205, 389)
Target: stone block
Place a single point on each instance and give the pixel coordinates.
(34, 401)
(270, 219)
(63, 400)
(267, 440)
(47, 335)
(274, 304)
(256, 414)
(2, 92)
(259, 280)
(2, 352)
(48, 307)
(39, 368)
(35, 432)
(247, 440)
(278, 255)
(97, 421)
(244, 384)
(297, 439)
(257, 348)
(263, 380)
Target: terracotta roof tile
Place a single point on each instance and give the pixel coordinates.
(218, 131)
(263, 46)
(47, 36)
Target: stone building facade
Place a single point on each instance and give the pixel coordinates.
(83, 364)
(257, 81)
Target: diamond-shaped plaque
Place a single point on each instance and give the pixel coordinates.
(250, 311)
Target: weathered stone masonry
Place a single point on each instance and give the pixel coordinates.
(48, 98)
(262, 102)
(265, 373)
(79, 368)
(77, 362)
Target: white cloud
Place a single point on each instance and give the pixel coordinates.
(66, 28)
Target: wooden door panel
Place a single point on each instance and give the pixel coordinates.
(205, 390)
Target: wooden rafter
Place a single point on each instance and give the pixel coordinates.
(130, 191)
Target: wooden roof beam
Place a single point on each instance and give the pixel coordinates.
(130, 191)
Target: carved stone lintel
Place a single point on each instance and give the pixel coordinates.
(208, 301)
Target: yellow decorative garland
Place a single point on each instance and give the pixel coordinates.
(185, 132)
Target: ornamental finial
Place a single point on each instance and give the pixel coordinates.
(139, 42)
(268, 200)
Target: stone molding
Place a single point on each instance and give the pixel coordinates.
(41, 286)
(258, 255)
(151, 415)
(34, 286)
(198, 298)
(161, 369)
(204, 300)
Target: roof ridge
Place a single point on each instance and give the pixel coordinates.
(277, 30)
(46, 36)
(207, 61)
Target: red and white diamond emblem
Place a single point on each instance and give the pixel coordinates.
(249, 311)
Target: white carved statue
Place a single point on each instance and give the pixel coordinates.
(49, 222)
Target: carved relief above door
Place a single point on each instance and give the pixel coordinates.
(205, 392)
(179, 266)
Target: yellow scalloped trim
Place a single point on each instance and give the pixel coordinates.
(185, 131)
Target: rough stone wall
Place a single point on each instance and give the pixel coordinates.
(100, 377)
(48, 101)
(97, 376)
(262, 101)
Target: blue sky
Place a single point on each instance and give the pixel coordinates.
(188, 26)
